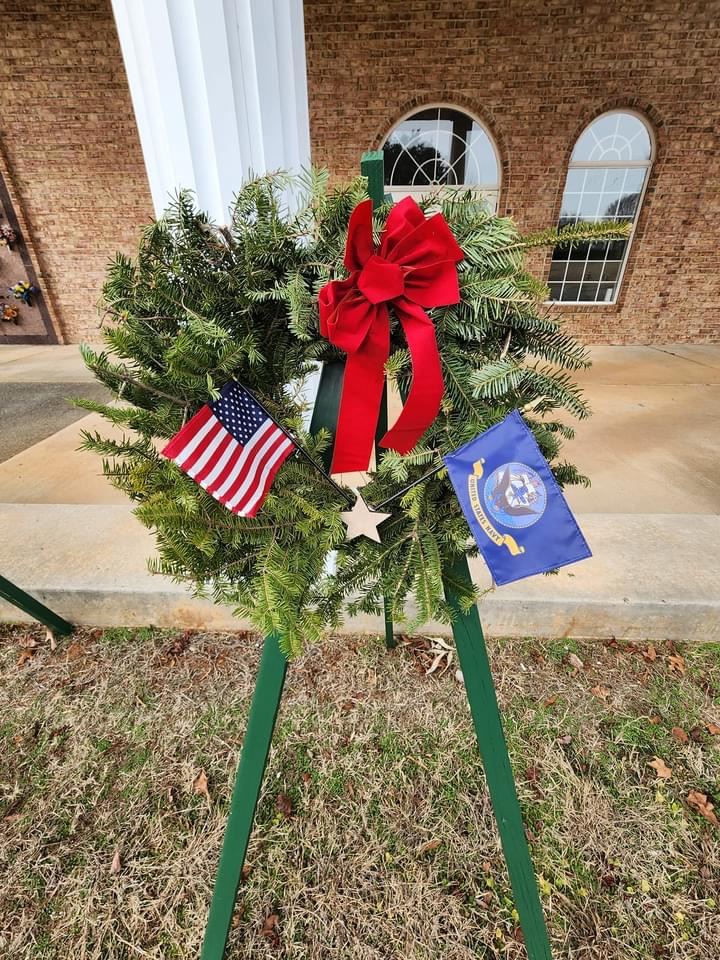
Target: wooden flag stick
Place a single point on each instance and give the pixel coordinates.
(480, 689)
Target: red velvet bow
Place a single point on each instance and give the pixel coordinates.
(413, 269)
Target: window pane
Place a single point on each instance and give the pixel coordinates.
(557, 270)
(602, 187)
(575, 270)
(555, 289)
(614, 137)
(440, 146)
(598, 250)
(616, 249)
(611, 270)
(593, 270)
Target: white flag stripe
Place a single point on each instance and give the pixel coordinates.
(246, 455)
(252, 466)
(192, 445)
(220, 465)
(283, 448)
(197, 465)
(246, 483)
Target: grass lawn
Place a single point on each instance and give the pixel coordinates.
(375, 837)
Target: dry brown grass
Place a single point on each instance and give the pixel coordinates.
(390, 851)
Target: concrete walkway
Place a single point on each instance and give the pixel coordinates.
(652, 516)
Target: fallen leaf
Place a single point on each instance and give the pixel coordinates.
(600, 691)
(676, 664)
(25, 655)
(699, 801)
(575, 662)
(27, 643)
(532, 774)
(550, 701)
(697, 735)
(459, 677)
(662, 770)
(116, 865)
(246, 871)
(713, 729)
(270, 930)
(75, 650)
(428, 846)
(284, 805)
(650, 653)
(565, 739)
(655, 719)
(200, 786)
(680, 735)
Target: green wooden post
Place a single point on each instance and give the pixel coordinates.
(248, 783)
(38, 611)
(261, 724)
(372, 166)
(480, 689)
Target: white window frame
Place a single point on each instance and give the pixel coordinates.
(646, 165)
(489, 192)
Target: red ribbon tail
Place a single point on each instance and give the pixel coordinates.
(362, 390)
(426, 391)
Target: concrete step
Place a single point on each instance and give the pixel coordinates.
(652, 576)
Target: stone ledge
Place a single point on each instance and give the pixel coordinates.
(652, 576)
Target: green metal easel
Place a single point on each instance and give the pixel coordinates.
(38, 611)
(472, 654)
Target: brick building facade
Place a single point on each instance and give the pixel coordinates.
(535, 72)
(69, 150)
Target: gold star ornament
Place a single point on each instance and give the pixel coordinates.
(361, 521)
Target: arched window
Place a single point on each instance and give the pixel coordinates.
(438, 147)
(606, 180)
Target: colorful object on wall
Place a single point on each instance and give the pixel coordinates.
(22, 290)
(517, 512)
(10, 313)
(7, 236)
(412, 269)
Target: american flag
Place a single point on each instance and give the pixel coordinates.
(233, 449)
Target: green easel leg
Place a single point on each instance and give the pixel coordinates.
(253, 758)
(480, 688)
(33, 607)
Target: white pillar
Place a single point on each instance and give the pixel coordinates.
(219, 90)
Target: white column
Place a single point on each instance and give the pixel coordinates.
(219, 90)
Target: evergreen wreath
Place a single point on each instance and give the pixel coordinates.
(201, 304)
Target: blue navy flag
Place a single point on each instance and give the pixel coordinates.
(516, 510)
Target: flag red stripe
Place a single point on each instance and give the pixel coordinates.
(246, 477)
(205, 471)
(224, 466)
(237, 470)
(197, 460)
(185, 435)
(252, 506)
(247, 501)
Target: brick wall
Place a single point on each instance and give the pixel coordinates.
(537, 71)
(70, 150)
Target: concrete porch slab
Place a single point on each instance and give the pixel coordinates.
(651, 517)
(88, 563)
